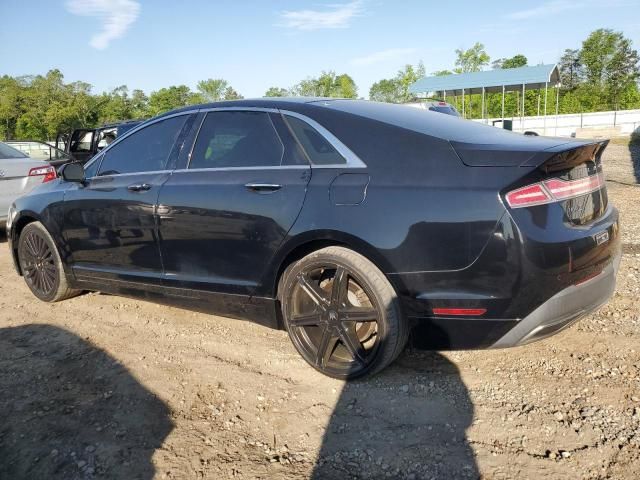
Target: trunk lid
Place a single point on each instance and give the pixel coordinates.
(15, 180)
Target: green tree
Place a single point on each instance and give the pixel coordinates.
(139, 104)
(115, 105)
(386, 90)
(328, 84)
(571, 69)
(407, 77)
(276, 92)
(216, 89)
(231, 94)
(213, 89)
(471, 60)
(172, 97)
(442, 73)
(516, 61)
(396, 90)
(11, 93)
(610, 62)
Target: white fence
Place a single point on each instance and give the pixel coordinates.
(621, 122)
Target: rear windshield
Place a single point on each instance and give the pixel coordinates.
(446, 110)
(9, 152)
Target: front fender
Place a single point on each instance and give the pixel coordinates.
(44, 205)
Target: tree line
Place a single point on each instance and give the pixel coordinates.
(601, 75)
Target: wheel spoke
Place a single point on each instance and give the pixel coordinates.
(326, 347)
(31, 248)
(39, 279)
(313, 291)
(305, 320)
(359, 314)
(350, 340)
(47, 282)
(339, 287)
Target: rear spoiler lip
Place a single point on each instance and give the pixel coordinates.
(505, 155)
(587, 150)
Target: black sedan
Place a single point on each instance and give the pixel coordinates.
(353, 225)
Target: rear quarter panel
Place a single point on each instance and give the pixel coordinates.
(424, 210)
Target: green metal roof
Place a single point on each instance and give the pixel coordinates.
(492, 80)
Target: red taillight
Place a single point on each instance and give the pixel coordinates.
(561, 189)
(48, 173)
(553, 190)
(471, 312)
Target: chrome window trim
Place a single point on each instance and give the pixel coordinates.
(353, 161)
(97, 158)
(145, 124)
(130, 174)
(224, 169)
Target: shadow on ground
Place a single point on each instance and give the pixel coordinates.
(409, 422)
(68, 410)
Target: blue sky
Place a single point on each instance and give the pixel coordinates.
(257, 44)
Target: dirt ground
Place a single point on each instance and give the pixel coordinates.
(106, 387)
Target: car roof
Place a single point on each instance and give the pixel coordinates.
(265, 102)
(433, 124)
(119, 124)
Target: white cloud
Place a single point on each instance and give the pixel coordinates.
(334, 16)
(116, 15)
(382, 55)
(547, 8)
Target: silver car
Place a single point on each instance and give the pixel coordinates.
(19, 174)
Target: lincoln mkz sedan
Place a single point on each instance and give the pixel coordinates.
(353, 225)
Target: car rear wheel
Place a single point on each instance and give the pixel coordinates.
(41, 265)
(341, 313)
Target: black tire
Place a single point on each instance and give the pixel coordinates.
(332, 294)
(41, 265)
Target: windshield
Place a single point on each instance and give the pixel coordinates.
(445, 109)
(9, 152)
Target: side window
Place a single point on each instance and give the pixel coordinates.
(318, 148)
(237, 139)
(145, 151)
(106, 137)
(293, 153)
(91, 168)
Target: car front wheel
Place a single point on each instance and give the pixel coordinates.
(41, 265)
(341, 313)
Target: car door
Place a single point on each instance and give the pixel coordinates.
(109, 221)
(223, 216)
(81, 144)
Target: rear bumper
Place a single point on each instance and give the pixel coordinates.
(530, 286)
(563, 309)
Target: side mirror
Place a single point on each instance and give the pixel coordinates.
(72, 172)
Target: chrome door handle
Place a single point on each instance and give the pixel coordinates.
(263, 187)
(139, 187)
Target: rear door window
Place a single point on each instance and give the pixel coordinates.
(232, 139)
(318, 148)
(146, 150)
